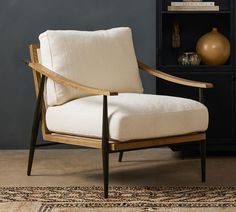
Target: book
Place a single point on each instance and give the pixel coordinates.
(192, 3)
(193, 8)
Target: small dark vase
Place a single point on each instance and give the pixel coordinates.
(189, 59)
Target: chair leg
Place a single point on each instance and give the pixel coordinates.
(202, 143)
(105, 158)
(35, 127)
(105, 147)
(183, 155)
(120, 156)
(34, 136)
(203, 160)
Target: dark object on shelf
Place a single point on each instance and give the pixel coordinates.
(221, 101)
(213, 48)
(176, 34)
(189, 59)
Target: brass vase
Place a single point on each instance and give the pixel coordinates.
(213, 48)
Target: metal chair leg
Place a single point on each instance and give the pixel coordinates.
(203, 160)
(35, 127)
(34, 136)
(105, 157)
(183, 155)
(202, 144)
(105, 147)
(120, 156)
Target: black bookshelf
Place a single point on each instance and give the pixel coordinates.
(221, 101)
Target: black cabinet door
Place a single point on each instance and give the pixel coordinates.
(220, 101)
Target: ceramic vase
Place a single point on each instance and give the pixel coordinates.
(213, 48)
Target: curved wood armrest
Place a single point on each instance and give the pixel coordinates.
(172, 78)
(68, 83)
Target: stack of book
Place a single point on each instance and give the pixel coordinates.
(193, 5)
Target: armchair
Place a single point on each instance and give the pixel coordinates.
(76, 73)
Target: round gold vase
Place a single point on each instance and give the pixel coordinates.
(213, 48)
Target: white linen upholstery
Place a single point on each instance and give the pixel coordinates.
(131, 116)
(102, 59)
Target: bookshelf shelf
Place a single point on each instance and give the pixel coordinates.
(221, 101)
(196, 12)
(203, 67)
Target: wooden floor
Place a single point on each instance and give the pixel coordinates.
(155, 167)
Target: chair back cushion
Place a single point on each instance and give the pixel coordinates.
(102, 59)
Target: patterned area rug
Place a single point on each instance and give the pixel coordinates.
(47, 199)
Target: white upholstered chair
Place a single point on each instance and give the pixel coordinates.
(74, 74)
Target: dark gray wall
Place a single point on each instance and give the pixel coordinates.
(21, 21)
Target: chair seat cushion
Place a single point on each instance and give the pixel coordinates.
(131, 116)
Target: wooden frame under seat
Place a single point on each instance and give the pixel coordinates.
(40, 73)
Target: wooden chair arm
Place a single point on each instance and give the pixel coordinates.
(67, 82)
(172, 78)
